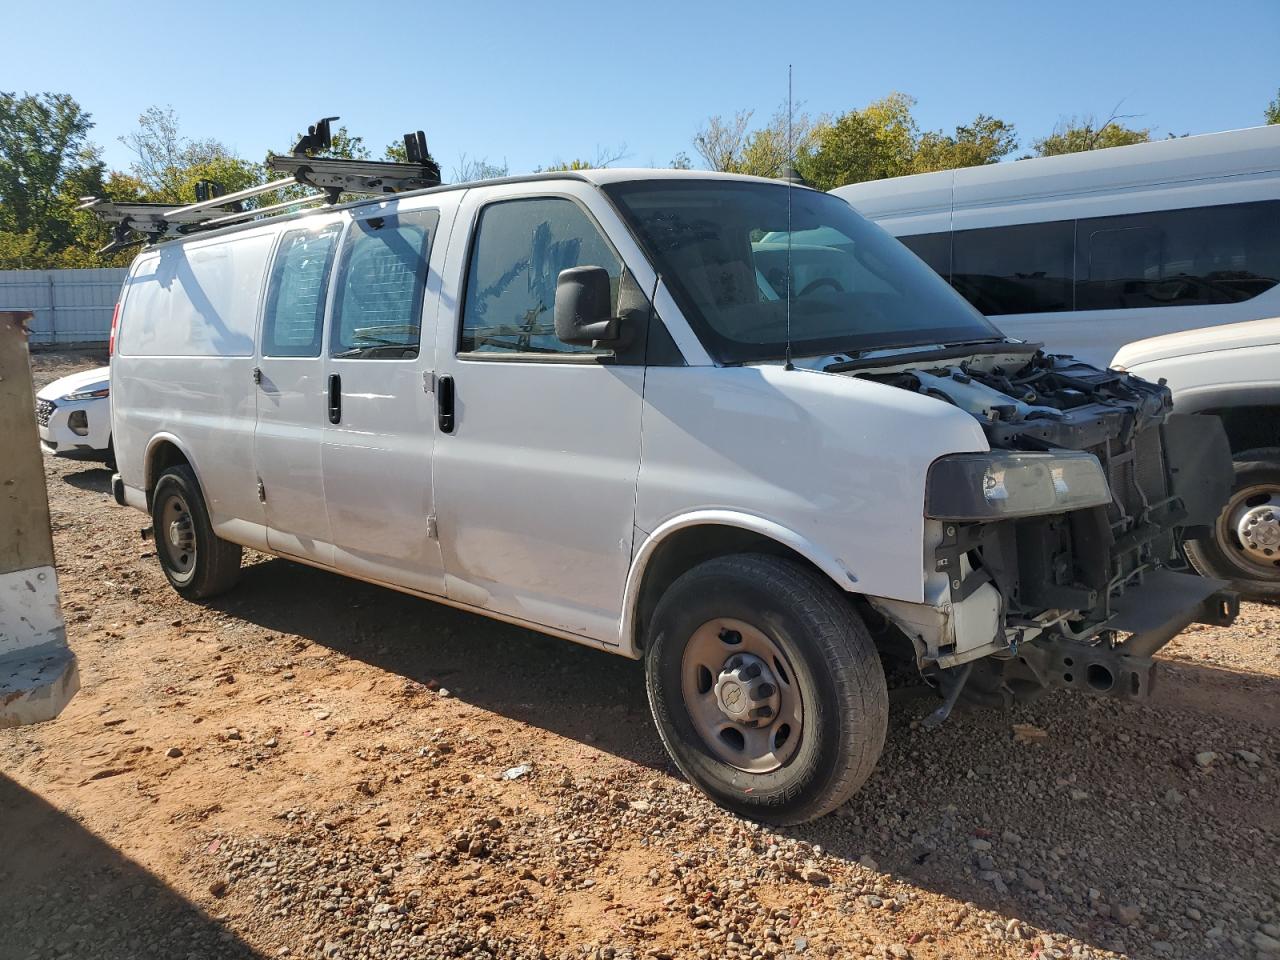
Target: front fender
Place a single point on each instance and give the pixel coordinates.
(820, 558)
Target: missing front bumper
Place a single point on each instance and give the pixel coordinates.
(1152, 613)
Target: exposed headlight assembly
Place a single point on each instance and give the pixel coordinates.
(89, 394)
(1004, 485)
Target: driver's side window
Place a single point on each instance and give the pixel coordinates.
(520, 248)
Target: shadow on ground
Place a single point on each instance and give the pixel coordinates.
(96, 479)
(1092, 791)
(64, 892)
(569, 690)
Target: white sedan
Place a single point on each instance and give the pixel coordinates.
(74, 414)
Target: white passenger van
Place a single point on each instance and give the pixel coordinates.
(1089, 251)
(601, 406)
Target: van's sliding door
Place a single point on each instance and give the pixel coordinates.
(379, 416)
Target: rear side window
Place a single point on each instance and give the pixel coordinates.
(520, 248)
(1027, 268)
(295, 299)
(1167, 258)
(377, 311)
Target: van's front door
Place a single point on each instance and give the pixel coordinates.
(379, 415)
(539, 451)
(291, 393)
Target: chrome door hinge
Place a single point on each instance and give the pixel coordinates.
(262, 492)
(257, 374)
(432, 532)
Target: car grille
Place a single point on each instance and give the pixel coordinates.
(44, 410)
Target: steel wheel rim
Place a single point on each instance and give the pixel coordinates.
(178, 536)
(1250, 527)
(719, 657)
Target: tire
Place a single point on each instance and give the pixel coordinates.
(197, 563)
(822, 658)
(1222, 553)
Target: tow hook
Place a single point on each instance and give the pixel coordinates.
(934, 720)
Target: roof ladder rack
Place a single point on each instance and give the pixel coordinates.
(138, 222)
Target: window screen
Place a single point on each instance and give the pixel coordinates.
(1168, 258)
(520, 248)
(295, 299)
(1026, 268)
(378, 307)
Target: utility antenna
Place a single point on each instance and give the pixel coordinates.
(790, 172)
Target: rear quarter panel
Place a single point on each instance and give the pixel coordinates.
(183, 367)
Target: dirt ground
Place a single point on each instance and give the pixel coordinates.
(315, 767)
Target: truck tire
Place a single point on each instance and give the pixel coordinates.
(197, 562)
(1244, 544)
(766, 687)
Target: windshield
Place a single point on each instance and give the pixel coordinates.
(721, 248)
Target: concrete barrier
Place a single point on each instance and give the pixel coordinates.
(38, 674)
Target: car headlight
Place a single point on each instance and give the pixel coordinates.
(1003, 485)
(89, 394)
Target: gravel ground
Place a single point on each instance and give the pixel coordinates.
(314, 767)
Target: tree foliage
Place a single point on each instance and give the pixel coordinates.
(1272, 113)
(168, 165)
(1077, 134)
(604, 157)
(46, 165)
(470, 169)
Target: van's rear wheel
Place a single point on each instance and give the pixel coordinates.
(195, 560)
(766, 687)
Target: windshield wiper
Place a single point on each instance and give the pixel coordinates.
(950, 351)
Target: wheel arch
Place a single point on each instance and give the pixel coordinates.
(683, 542)
(164, 450)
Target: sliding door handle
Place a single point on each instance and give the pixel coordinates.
(444, 404)
(335, 398)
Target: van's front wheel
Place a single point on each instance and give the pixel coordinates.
(766, 687)
(197, 562)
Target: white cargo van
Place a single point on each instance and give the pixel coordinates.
(603, 406)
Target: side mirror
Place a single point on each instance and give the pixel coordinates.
(582, 310)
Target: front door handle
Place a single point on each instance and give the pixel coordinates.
(335, 398)
(444, 404)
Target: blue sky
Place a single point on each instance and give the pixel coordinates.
(530, 84)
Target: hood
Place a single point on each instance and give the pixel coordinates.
(98, 377)
(1023, 398)
(1231, 336)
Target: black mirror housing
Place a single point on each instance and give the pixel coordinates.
(583, 308)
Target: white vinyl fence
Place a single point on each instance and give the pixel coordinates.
(69, 306)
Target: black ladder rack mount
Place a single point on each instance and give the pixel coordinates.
(137, 222)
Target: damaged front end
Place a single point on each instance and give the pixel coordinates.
(1055, 555)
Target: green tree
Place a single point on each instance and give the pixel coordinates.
(728, 145)
(605, 156)
(986, 140)
(168, 164)
(45, 157)
(470, 169)
(1272, 113)
(1077, 134)
(877, 141)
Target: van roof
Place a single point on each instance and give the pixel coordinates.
(1234, 153)
(598, 176)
